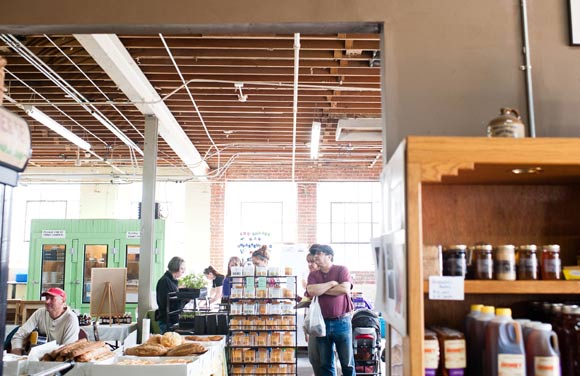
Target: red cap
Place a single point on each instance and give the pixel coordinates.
(55, 291)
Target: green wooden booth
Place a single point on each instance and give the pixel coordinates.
(64, 251)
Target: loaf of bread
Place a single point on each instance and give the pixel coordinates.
(155, 339)
(188, 348)
(147, 349)
(204, 339)
(89, 346)
(93, 354)
(64, 349)
(171, 339)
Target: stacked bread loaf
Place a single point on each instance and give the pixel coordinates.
(168, 344)
(80, 351)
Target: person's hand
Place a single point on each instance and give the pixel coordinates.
(334, 283)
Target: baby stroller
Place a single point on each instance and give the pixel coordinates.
(366, 337)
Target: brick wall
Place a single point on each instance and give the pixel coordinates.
(217, 224)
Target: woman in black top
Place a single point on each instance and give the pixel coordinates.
(217, 281)
(166, 284)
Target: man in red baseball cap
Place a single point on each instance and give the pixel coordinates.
(55, 321)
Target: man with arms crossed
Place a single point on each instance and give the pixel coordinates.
(332, 284)
(56, 321)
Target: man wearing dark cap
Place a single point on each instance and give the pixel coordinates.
(56, 321)
(332, 284)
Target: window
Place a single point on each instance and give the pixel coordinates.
(263, 216)
(267, 209)
(348, 218)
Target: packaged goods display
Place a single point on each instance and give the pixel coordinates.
(431, 353)
(463, 190)
(528, 268)
(262, 324)
(504, 345)
(505, 262)
(452, 359)
(551, 263)
(483, 261)
(501, 262)
(455, 260)
(542, 351)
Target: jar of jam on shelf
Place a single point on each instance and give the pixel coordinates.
(455, 260)
(527, 262)
(505, 262)
(482, 261)
(551, 268)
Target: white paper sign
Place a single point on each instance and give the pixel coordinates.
(53, 234)
(133, 234)
(446, 288)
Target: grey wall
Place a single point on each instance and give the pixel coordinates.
(450, 64)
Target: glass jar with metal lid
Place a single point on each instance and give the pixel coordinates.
(527, 262)
(551, 264)
(483, 261)
(505, 262)
(455, 260)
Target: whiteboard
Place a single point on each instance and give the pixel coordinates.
(575, 22)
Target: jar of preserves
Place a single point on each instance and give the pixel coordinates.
(551, 264)
(483, 261)
(505, 262)
(527, 262)
(455, 260)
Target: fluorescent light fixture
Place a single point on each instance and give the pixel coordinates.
(122, 136)
(314, 140)
(47, 121)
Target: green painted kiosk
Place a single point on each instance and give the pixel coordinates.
(64, 251)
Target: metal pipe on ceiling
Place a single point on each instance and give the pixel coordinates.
(191, 98)
(295, 100)
(527, 68)
(60, 82)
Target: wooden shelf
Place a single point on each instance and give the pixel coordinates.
(517, 287)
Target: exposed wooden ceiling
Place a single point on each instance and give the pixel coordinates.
(339, 77)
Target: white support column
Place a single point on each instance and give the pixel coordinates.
(147, 255)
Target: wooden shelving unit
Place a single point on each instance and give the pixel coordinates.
(464, 190)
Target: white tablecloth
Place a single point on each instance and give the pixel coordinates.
(115, 332)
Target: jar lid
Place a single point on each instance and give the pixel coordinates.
(455, 247)
(569, 308)
(503, 312)
(506, 247)
(482, 247)
(527, 247)
(551, 247)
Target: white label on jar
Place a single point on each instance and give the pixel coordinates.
(484, 265)
(552, 266)
(511, 365)
(431, 353)
(546, 366)
(529, 264)
(454, 353)
(505, 270)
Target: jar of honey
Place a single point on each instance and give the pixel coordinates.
(551, 264)
(455, 260)
(483, 261)
(527, 262)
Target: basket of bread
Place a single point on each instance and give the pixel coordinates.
(80, 351)
(168, 344)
